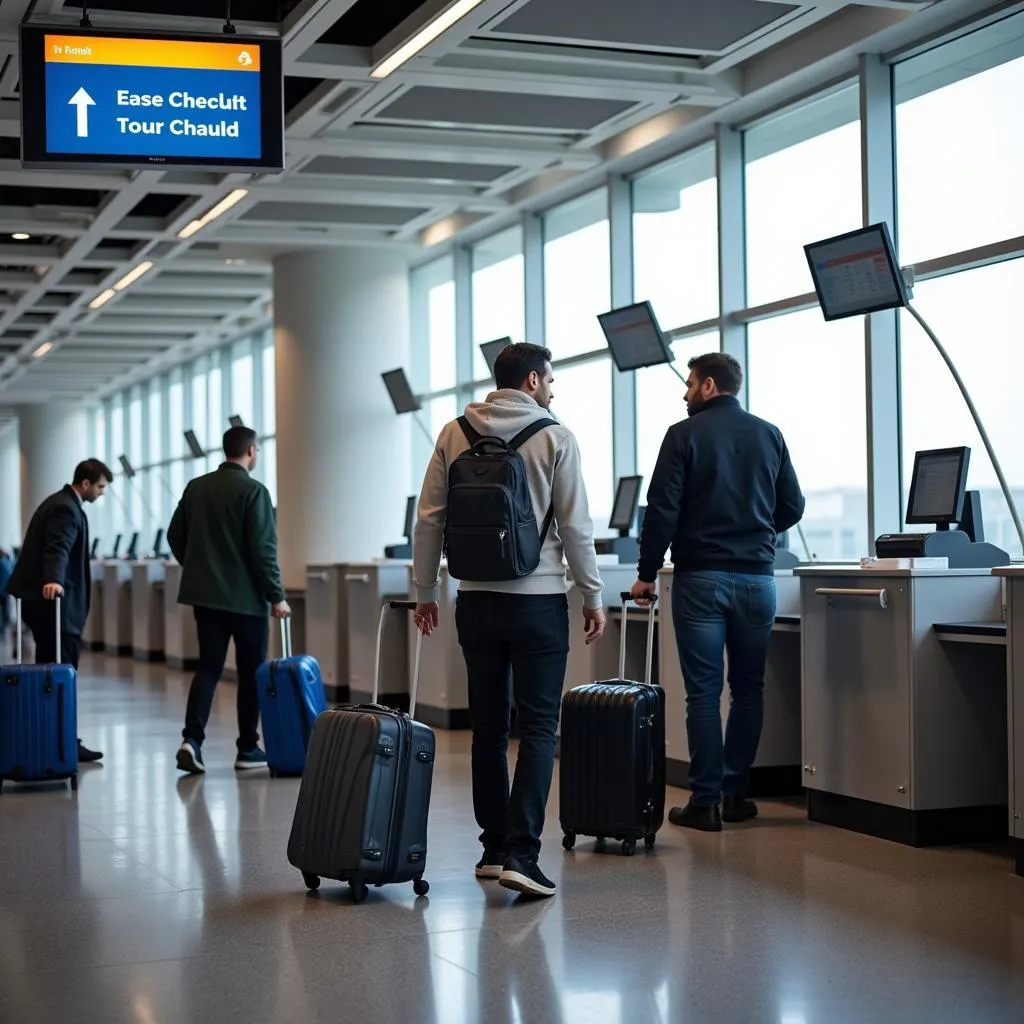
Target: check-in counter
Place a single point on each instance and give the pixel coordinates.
(147, 595)
(92, 635)
(904, 736)
(443, 701)
(367, 586)
(1014, 581)
(180, 643)
(327, 626)
(117, 607)
(777, 769)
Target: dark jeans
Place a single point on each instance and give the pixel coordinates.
(716, 612)
(39, 617)
(215, 630)
(525, 637)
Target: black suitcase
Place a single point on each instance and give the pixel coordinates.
(612, 762)
(362, 811)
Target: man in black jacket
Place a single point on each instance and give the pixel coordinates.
(722, 491)
(54, 561)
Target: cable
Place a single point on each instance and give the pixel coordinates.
(229, 28)
(85, 22)
(1011, 504)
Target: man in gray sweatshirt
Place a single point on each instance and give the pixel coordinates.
(518, 627)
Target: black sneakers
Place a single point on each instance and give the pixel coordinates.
(737, 808)
(704, 819)
(87, 756)
(490, 865)
(526, 877)
(190, 758)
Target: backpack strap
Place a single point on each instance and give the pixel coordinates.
(516, 443)
(471, 435)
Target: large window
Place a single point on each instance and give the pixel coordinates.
(661, 400)
(217, 423)
(803, 182)
(243, 397)
(974, 315)
(675, 239)
(269, 390)
(176, 428)
(499, 297)
(158, 497)
(807, 377)
(577, 275)
(433, 326)
(960, 151)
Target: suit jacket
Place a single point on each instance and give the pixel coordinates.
(56, 550)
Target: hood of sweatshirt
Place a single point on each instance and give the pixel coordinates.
(505, 413)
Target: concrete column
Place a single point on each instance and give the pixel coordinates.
(53, 441)
(10, 491)
(341, 319)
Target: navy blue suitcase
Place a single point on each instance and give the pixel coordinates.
(291, 696)
(38, 719)
(612, 757)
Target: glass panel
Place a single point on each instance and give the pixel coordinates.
(218, 420)
(268, 464)
(155, 413)
(675, 239)
(974, 316)
(803, 183)
(499, 297)
(825, 427)
(269, 390)
(661, 400)
(135, 446)
(243, 395)
(176, 415)
(577, 273)
(959, 150)
(200, 404)
(433, 306)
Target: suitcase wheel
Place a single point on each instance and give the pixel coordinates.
(74, 782)
(312, 881)
(359, 891)
(649, 842)
(569, 840)
(421, 887)
(628, 847)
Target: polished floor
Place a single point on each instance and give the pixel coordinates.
(157, 899)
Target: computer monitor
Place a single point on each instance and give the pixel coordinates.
(400, 391)
(627, 498)
(94, 550)
(634, 337)
(236, 421)
(492, 349)
(857, 273)
(158, 543)
(133, 548)
(126, 466)
(410, 516)
(117, 546)
(193, 445)
(937, 487)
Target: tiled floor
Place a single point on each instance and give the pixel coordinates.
(153, 898)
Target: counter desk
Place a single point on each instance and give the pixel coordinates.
(117, 607)
(147, 604)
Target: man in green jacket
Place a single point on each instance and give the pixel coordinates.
(223, 535)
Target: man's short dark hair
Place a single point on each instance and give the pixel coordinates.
(516, 362)
(92, 471)
(722, 368)
(238, 440)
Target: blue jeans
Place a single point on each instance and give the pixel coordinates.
(714, 613)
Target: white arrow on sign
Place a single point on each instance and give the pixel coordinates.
(83, 101)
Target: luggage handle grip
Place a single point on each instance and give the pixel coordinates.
(19, 652)
(286, 637)
(414, 689)
(627, 598)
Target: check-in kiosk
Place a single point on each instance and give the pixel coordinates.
(117, 607)
(181, 644)
(327, 626)
(625, 546)
(147, 600)
(92, 635)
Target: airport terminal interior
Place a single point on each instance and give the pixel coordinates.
(323, 219)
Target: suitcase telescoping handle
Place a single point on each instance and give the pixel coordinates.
(286, 637)
(648, 663)
(398, 606)
(17, 625)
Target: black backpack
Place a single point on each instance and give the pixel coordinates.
(490, 532)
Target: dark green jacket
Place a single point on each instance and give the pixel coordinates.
(224, 536)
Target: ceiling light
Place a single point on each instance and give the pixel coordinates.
(231, 199)
(133, 275)
(424, 37)
(21, 236)
(42, 350)
(102, 299)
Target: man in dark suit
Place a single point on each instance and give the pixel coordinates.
(54, 561)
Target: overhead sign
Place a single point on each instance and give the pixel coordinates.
(113, 98)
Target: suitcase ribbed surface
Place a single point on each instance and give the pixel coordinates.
(38, 722)
(612, 762)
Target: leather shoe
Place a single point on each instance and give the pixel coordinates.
(704, 819)
(87, 756)
(737, 808)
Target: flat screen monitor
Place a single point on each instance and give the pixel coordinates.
(857, 273)
(133, 548)
(117, 546)
(627, 498)
(126, 466)
(95, 98)
(94, 550)
(410, 516)
(400, 391)
(938, 485)
(158, 543)
(634, 337)
(193, 445)
(492, 349)
(236, 421)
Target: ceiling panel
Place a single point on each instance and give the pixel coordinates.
(332, 213)
(417, 170)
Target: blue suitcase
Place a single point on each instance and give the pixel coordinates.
(38, 719)
(291, 696)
